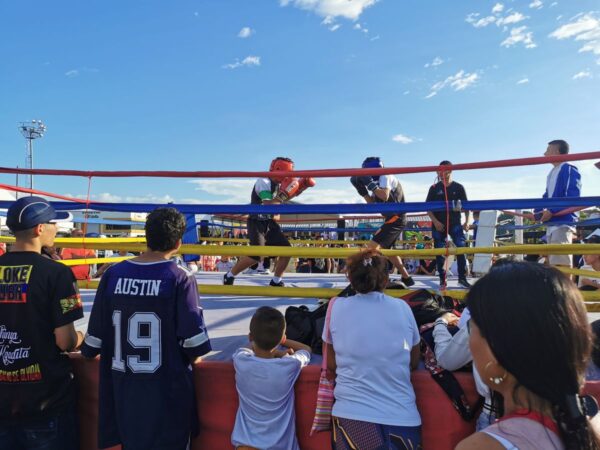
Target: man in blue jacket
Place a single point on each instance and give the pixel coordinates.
(563, 180)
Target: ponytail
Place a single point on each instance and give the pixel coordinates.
(573, 416)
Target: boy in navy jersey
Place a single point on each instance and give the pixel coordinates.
(148, 328)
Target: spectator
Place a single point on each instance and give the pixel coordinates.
(531, 343)
(2, 248)
(592, 262)
(104, 267)
(39, 302)
(593, 370)
(81, 272)
(563, 180)
(452, 353)
(224, 264)
(147, 327)
(375, 403)
(51, 253)
(448, 221)
(265, 378)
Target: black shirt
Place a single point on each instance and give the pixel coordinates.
(37, 295)
(455, 191)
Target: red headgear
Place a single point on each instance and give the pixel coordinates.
(281, 164)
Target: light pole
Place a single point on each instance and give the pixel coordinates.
(30, 131)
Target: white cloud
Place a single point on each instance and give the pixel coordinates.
(113, 198)
(236, 190)
(246, 32)
(519, 35)
(402, 139)
(474, 20)
(582, 74)
(72, 73)
(513, 18)
(436, 62)
(375, 38)
(523, 81)
(406, 93)
(583, 27)
(536, 4)
(348, 9)
(459, 82)
(248, 61)
(334, 27)
(498, 8)
(553, 4)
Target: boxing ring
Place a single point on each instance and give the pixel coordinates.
(228, 309)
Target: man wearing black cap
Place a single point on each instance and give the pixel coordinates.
(39, 302)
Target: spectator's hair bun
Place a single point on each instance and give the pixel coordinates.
(368, 271)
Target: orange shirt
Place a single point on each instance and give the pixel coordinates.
(81, 272)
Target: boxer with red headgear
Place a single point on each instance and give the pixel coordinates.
(384, 189)
(263, 229)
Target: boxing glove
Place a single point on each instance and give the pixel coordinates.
(367, 182)
(288, 189)
(304, 183)
(360, 188)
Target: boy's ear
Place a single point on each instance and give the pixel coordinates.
(250, 337)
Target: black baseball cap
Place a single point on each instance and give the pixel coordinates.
(27, 212)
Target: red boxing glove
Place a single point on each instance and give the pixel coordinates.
(305, 183)
(288, 188)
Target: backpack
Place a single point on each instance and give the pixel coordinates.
(306, 326)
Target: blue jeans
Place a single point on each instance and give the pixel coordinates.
(439, 241)
(59, 432)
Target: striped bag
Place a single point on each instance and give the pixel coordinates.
(325, 398)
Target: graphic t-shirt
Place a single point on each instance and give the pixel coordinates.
(264, 189)
(455, 192)
(37, 295)
(147, 325)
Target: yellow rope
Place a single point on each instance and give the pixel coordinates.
(80, 262)
(271, 291)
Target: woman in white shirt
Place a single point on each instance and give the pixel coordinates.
(372, 346)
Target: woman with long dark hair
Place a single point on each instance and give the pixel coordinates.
(531, 343)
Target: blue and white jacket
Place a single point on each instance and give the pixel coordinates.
(568, 184)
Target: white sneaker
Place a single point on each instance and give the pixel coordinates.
(250, 272)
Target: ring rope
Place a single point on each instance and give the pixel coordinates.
(307, 173)
(293, 292)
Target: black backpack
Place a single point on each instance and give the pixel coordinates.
(306, 326)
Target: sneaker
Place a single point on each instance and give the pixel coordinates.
(280, 284)
(264, 272)
(408, 281)
(464, 283)
(228, 281)
(250, 272)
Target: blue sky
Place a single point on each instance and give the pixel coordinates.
(229, 84)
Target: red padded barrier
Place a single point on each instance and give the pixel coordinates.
(218, 402)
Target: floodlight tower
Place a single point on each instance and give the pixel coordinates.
(30, 131)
